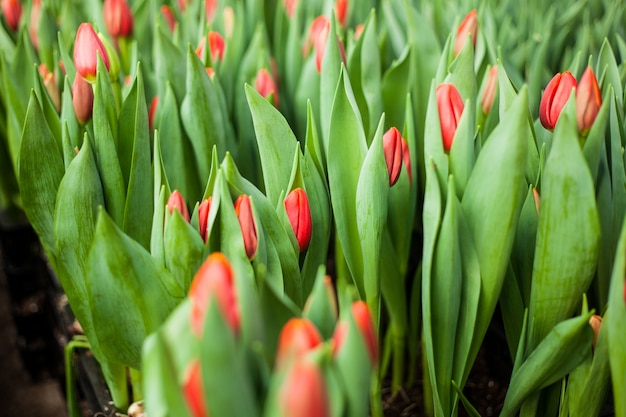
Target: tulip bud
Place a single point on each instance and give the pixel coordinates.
(118, 18)
(176, 202)
(537, 200)
(489, 92)
(152, 111)
(392, 145)
(216, 46)
(406, 159)
(193, 390)
(297, 337)
(303, 392)
(50, 83)
(468, 27)
(318, 35)
(228, 17)
(341, 11)
(450, 106)
(554, 97)
(87, 47)
(364, 323)
(265, 85)
(82, 99)
(210, 72)
(358, 31)
(169, 17)
(299, 213)
(595, 322)
(210, 6)
(203, 217)
(214, 280)
(290, 7)
(12, 10)
(33, 23)
(243, 208)
(588, 101)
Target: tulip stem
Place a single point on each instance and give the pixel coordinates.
(376, 401)
(78, 342)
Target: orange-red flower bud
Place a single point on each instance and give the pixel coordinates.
(169, 17)
(450, 106)
(50, 83)
(358, 31)
(588, 101)
(118, 18)
(363, 319)
(214, 280)
(290, 7)
(243, 208)
(468, 27)
(12, 10)
(554, 97)
(303, 392)
(210, 6)
(87, 47)
(299, 213)
(489, 92)
(216, 46)
(265, 85)
(193, 390)
(595, 322)
(392, 146)
(82, 99)
(177, 202)
(341, 11)
(152, 111)
(318, 35)
(297, 337)
(203, 217)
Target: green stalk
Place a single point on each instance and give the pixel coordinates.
(78, 342)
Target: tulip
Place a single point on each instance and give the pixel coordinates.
(363, 319)
(182, 5)
(33, 23)
(297, 337)
(341, 11)
(303, 392)
(318, 35)
(214, 280)
(82, 99)
(50, 83)
(243, 208)
(228, 17)
(588, 101)
(450, 106)
(358, 31)
(299, 213)
(489, 91)
(152, 111)
(265, 85)
(193, 390)
(203, 217)
(595, 322)
(392, 146)
(216, 46)
(210, 72)
(12, 10)
(87, 47)
(406, 159)
(210, 6)
(169, 17)
(290, 7)
(537, 199)
(554, 97)
(176, 202)
(468, 27)
(118, 18)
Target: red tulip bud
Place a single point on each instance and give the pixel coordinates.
(588, 101)
(203, 217)
(341, 11)
(468, 27)
(210, 6)
(265, 85)
(299, 213)
(595, 322)
(392, 145)
(177, 202)
(489, 92)
(82, 99)
(33, 23)
(214, 280)
(554, 97)
(169, 17)
(358, 31)
(297, 337)
(118, 18)
(364, 323)
(12, 10)
(87, 47)
(243, 208)
(290, 7)
(182, 5)
(50, 83)
(406, 159)
(450, 106)
(216, 46)
(537, 199)
(152, 111)
(193, 390)
(303, 392)
(318, 35)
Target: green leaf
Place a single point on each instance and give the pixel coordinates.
(169, 62)
(394, 85)
(183, 248)
(608, 71)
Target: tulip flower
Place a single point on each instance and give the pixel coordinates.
(182, 5)
(450, 106)
(203, 217)
(554, 97)
(588, 101)
(299, 213)
(12, 10)
(489, 91)
(169, 17)
(50, 82)
(118, 18)
(243, 208)
(303, 392)
(341, 11)
(358, 31)
(82, 99)
(406, 159)
(210, 6)
(265, 85)
(33, 23)
(468, 27)
(290, 7)
(193, 390)
(216, 46)
(152, 111)
(318, 35)
(176, 202)
(214, 281)
(364, 323)
(392, 145)
(537, 199)
(297, 337)
(595, 322)
(87, 47)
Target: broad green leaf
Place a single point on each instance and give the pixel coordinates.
(183, 248)
(594, 142)
(169, 63)
(394, 85)
(608, 71)
(49, 111)
(321, 307)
